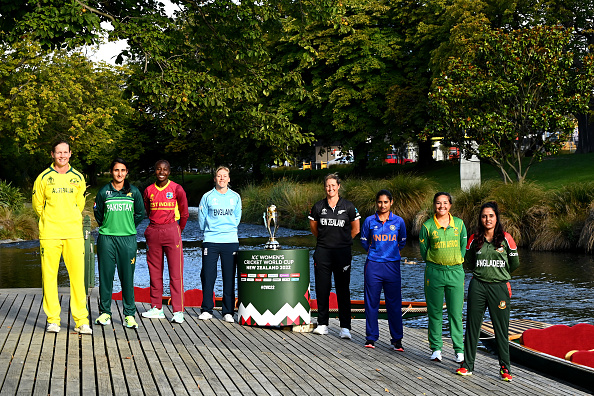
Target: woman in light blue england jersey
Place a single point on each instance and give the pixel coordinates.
(219, 216)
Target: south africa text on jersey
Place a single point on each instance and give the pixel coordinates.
(444, 244)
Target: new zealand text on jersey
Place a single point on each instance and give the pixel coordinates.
(444, 244)
(332, 222)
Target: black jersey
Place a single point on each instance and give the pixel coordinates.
(334, 225)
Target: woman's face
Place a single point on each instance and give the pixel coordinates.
(442, 205)
(162, 172)
(488, 219)
(119, 172)
(384, 204)
(222, 179)
(331, 187)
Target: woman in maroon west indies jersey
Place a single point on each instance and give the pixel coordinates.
(334, 221)
(165, 203)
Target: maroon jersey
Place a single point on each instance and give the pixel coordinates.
(166, 204)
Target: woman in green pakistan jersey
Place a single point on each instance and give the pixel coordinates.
(119, 209)
(443, 245)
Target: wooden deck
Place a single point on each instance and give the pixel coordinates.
(218, 358)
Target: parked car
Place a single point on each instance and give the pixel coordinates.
(394, 159)
(341, 160)
(454, 153)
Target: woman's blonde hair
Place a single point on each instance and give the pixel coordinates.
(222, 168)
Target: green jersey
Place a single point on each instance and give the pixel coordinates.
(443, 245)
(490, 264)
(118, 212)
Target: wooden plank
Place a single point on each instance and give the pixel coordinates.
(114, 360)
(37, 320)
(16, 347)
(251, 379)
(7, 335)
(101, 366)
(151, 353)
(73, 359)
(87, 362)
(58, 373)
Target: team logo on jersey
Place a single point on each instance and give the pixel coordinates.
(152, 197)
(455, 231)
(502, 305)
(133, 261)
(392, 227)
(95, 206)
(74, 182)
(341, 211)
(129, 194)
(169, 195)
(324, 211)
(500, 250)
(435, 234)
(51, 181)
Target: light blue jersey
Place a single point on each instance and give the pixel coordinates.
(219, 215)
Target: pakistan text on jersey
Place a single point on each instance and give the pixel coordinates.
(332, 222)
(122, 207)
(222, 212)
(63, 190)
(490, 263)
(446, 244)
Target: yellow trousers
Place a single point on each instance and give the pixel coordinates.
(73, 251)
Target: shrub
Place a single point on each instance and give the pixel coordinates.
(468, 203)
(18, 225)
(10, 197)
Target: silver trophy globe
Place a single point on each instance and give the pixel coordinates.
(271, 224)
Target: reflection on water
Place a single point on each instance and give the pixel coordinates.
(550, 287)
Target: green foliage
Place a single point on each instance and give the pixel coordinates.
(18, 224)
(513, 93)
(10, 197)
(410, 193)
(467, 203)
(293, 201)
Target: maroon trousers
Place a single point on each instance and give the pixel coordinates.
(165, 239)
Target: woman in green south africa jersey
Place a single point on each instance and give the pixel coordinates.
(443, 245)
(119, 209)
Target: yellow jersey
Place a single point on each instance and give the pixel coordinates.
(58, 200)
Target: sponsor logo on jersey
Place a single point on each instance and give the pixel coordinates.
(169, 195)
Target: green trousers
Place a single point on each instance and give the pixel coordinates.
(116, 252)
(444, 281)
(496, 297)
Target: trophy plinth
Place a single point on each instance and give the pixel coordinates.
(271, 224)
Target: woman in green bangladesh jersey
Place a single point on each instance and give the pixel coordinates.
(492, 256)
(119, 209)
(442, 244)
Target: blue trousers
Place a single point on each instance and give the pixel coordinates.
(387, 276)
(208, 275)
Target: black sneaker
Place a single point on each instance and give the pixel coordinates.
(369, 344)
(397, 345)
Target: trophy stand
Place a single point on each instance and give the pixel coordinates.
(273, 283)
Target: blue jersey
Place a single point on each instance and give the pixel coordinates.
(383, 241)
(219, 215)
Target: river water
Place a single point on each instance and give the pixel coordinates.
(553, 287)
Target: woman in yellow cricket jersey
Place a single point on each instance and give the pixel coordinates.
(58, 200)
(443, 245)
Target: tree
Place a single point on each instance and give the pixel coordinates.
(512, 93)
(49, 95)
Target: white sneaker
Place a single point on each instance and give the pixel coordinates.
(178, 317)
(321, 330)
(52, 328)
(436, 356)
(205, 316)
(229, 318)
(459, 357)
(154, 313)
(345, 333)
(84, 329)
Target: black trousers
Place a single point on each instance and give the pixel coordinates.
(337, 262)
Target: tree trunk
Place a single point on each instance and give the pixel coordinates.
(425, 153)
(586, 134)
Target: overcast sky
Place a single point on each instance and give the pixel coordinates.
(109, 51)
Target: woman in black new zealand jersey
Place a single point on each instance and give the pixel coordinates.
(334, 221)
